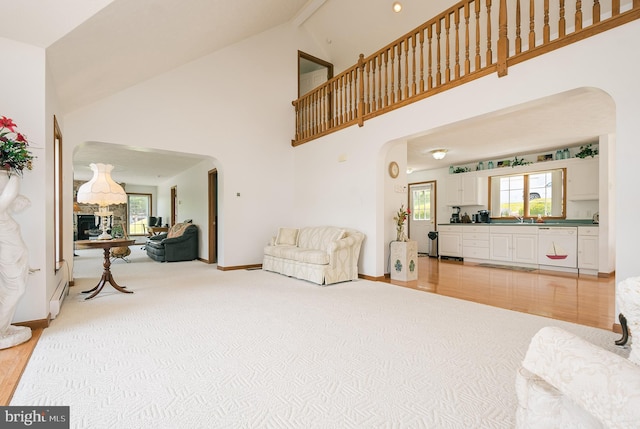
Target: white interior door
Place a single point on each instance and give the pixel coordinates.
(422, 197)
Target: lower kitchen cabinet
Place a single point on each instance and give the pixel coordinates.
(514, 244)
(588, 248)
(450, 240)
(475, 242)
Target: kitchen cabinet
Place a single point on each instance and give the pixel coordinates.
(450, 240)
(463, 189)
(582, 180)
(588, 248)
(475, 241)
(514, 244)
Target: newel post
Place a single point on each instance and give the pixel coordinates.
(360, 76)
(503, 40)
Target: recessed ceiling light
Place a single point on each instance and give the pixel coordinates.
(397, 6)
(439, 153)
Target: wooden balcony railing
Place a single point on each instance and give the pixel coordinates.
(459, 45)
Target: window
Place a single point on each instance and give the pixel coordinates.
(544, 191)
(421, 209)
(57, 194)
(139, 206)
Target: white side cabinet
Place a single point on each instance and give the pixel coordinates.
(463, 189)
(582, 180)
(450, 240)
(514, 244)
(588, 248)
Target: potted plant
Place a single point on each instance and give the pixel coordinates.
(15, 156)
(586, 151)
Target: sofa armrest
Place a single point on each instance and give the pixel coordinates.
(158, 238)
(175, 240)
(602, 383)
(341, 250)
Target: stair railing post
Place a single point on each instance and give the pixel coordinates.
(503, 40)
(360, 77)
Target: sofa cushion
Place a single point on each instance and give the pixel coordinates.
(309, 256)
(319, 238)
(287, 237)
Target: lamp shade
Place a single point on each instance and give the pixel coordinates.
(439, 153)
(101, 189)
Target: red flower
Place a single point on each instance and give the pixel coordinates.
(21, 138)
(7, 123)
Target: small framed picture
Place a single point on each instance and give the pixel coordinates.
(505, 163)
(546, 157)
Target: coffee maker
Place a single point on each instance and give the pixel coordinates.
(483, 216)
(455, 216)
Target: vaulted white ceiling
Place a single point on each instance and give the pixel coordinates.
(89, 41)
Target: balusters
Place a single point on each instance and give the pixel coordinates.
(503, 39)
(430, 58)
(562, 22)
(447, 54)
(478, 60)
(546, 30)
(467, 62)
(615, 7)
(438, 54)
(456, 17)
(386, 77)
(413, 65)
(392, 96)
(578, 15)
(489, 51)
(596, 11)
(532, 24)
(518, 38)
(406, 68)
(380, 98)
(422, 60)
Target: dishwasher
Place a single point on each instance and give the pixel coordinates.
(558, 246)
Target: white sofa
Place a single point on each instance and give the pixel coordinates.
(567, 382)
(321, 254)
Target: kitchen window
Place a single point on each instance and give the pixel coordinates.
(528, 195)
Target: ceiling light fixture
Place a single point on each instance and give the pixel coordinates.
(439, 153)
(397, 6)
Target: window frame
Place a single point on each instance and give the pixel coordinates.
(149, 211)
(58, 197)
(526, 191)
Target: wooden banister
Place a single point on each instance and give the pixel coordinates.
(429, 59)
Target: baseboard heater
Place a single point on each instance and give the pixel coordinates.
(58, 297)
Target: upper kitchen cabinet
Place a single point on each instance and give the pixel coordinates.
(463, 189)
(582, 179)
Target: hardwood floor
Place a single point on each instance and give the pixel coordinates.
(12, 363)
(586, 300)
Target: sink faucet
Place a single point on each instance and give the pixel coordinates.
(520, 219)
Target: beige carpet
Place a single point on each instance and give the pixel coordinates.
(195, 347)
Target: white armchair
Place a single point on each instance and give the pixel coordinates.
(567, 382)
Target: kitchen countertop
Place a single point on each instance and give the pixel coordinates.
(565, 223)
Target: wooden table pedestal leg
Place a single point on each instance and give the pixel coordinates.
(106, 278)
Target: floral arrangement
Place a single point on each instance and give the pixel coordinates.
(400, 217)
(14, 153)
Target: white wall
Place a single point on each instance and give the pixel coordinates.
(358, 196)
(22, 98)
(219, 107)
(233, 106)
(192, 193)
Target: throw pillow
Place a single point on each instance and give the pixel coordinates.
(177, 230)
(287, 237)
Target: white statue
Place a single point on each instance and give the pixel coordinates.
(14, 261)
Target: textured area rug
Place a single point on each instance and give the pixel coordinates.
(195, 347)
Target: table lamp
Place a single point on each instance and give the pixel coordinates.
(103, 191)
